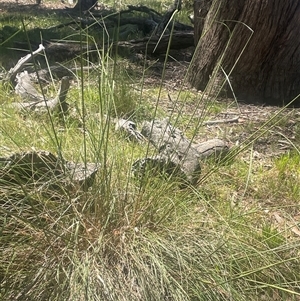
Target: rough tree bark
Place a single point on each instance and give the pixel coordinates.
(269, 68)
(201, 9)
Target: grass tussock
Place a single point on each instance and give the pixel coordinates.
(233, 236)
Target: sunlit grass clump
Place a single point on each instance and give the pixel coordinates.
(232, 236)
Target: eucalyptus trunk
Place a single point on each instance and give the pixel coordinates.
(254, 42)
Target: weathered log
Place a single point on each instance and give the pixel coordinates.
(154, 19)
(26, 90)
(33, 100)
(173, 146)
(157, 45)
(38, 102)
(151, 45)
(146, 26)
(159, 19)
(107, 23)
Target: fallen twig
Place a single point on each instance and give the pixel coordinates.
(218, 121)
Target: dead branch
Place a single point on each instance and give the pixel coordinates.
(12, 73)
(37, 101)
(155, 44)
(218, 121)
(167, 17)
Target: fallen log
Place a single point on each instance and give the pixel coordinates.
(146, 16)
(158, 45)
(34, 100)
(38, 102)
(173, 147)
(213, 148)
(149, 45)
(107, 25)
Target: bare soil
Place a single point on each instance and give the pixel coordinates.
(30, 6)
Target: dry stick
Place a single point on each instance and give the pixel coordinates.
(231, 120)
(12, 73)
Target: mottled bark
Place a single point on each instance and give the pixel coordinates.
(201, 8)
(268, 68)
(177, 155)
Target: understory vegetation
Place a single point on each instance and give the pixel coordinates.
(235, 235)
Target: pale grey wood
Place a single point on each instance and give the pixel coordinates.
(12, 73)
(38, 102)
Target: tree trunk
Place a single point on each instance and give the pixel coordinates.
(201, 9)
(84, 5)
(263, 64)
